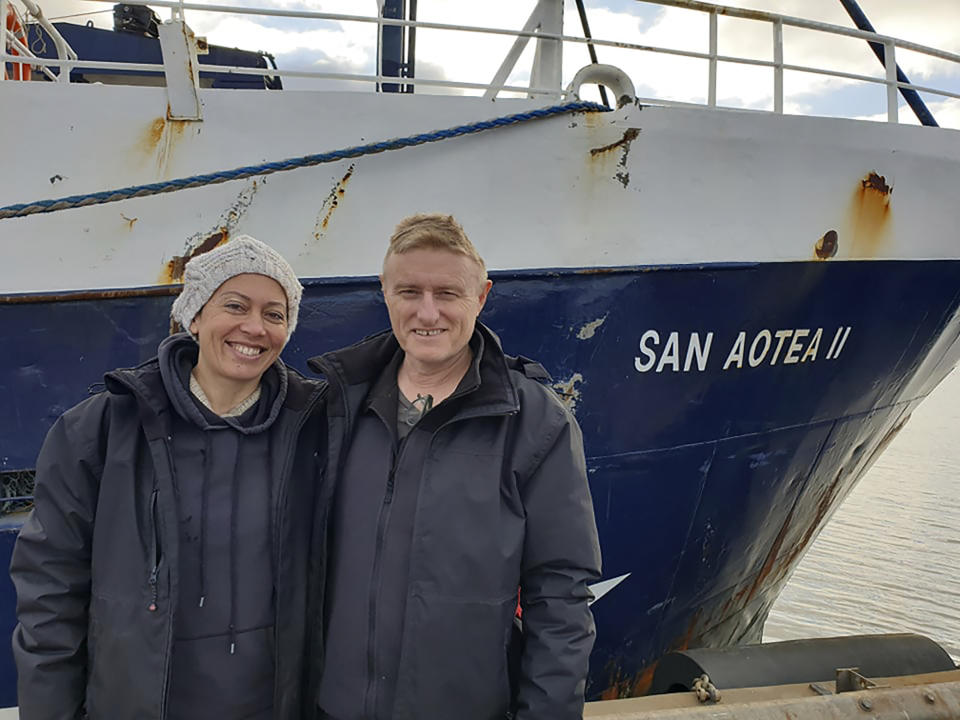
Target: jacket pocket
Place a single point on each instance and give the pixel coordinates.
(459, 659)
(125, 670)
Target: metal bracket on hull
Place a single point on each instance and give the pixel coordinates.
(605, 76)
(850, 680)
(179, 47)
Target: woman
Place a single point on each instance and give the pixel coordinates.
(160, 574)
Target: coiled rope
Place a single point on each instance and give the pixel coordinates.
(136, 191)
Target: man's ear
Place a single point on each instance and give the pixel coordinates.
(484, 292)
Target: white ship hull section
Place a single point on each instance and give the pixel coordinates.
(638, 186)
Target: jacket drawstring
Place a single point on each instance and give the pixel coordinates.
(234, 501)
(204, 492)
(271, 505)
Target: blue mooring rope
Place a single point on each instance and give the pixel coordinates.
(106, 196)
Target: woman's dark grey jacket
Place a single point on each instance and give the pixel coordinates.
(96, 564)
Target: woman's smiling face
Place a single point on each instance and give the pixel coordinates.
(241, 330)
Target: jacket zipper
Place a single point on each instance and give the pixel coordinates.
(382, 520)
(278, 525)
(165, 688)
(155, 571)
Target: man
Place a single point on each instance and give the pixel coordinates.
(459, 479)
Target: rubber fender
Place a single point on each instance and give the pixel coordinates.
(800, 661)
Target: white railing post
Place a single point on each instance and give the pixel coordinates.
(890, 60)
(778, 66)
(712, 83)
(3, 42)
(548, 59)
(506, 67)
(178, 46)
(379, 65)
(64, 51)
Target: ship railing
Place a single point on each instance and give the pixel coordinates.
(65, 53)
(545, 27)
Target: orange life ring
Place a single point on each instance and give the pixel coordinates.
(17, 71)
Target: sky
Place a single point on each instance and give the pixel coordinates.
(318, 45)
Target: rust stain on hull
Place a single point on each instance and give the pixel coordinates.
(154, 133)
(207, 240)
(629, 135)
(160, 138)
(622, 175)
(870, 214)
(688, 636)
(827, 245)
(746, 604)
(85, 295)
(830, 496)
(331, 203)
(768, 563)
(780, 560)
(173, 273)
(598, 271)
(639, 683)
(824, 505)
(643, 680)
(878, 183)
(634, 686)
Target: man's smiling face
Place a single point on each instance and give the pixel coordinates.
(434, 297)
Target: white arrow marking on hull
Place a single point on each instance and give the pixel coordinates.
(602, 588)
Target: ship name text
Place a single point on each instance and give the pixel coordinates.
(671, 352)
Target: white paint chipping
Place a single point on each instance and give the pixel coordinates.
(568, 392)
(590, 329)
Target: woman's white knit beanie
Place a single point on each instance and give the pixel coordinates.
(242, 254)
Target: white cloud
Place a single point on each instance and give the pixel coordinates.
(932, 23)
(946, 112)
(246, 33)
(77, 11)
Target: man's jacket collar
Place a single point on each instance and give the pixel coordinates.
(362, 364)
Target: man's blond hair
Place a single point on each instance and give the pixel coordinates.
(433, 231)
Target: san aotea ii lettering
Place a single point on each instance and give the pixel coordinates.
(692, 352)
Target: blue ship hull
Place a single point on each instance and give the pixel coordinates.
(722, 430)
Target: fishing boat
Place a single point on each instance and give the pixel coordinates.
(742, 307)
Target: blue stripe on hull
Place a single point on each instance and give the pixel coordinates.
(708, 484)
